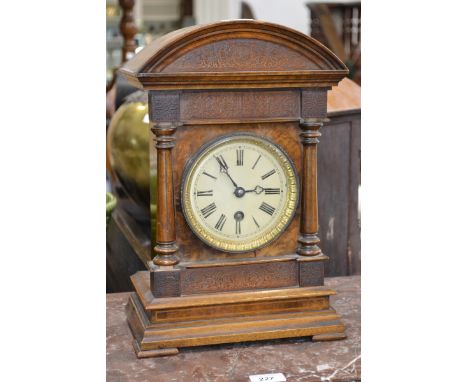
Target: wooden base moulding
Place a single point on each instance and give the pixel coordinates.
(161, 326)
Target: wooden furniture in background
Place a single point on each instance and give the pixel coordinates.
(128, 29)
(339, 169)
(207, 82)
(342, 37)
(298, 359)
(186, 13)
(246, 11)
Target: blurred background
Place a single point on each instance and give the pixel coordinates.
(133, 24)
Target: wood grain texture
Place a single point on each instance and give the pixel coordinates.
(354, 221)
(311, 273)
(164, 106)
(342, 102)
(195, 321)
(314, 103)
(237, 275)
(240, 277)
(339, 173)
(285, 135)
(219, 312)
(335, 195)
(141, 283)
(165, 238)
(239, 53)
(179, 305)
(308, 238)
(165, 283)
(230, 105)
(234, 54)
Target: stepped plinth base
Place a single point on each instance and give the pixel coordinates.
(162, 325)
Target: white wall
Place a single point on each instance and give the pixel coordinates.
(207, 11)
(291, 13)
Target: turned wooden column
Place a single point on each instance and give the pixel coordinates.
(308, 236)
(166, 245)
(128, 29)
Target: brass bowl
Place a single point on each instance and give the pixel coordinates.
(128, 149)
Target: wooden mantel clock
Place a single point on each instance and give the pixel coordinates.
(235, 108)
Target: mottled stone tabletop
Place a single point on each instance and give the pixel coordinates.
(298, 359)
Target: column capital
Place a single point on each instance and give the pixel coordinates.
(164, 134)
(312, 122)
(310, 130)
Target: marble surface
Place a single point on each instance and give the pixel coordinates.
(300, 360)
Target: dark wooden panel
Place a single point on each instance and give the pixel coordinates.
(165, 283)
(239, 277)
(122, 259)
(311, 273)
(164, 106)
(237, 105)
(314, 103)
(354, 229)
(333, 195)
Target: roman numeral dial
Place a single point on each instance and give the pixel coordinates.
(240, 157)
(208, 210)
(265, 207)
(205, 193)
(239, 192)
(268, 174)
(220, 223)
(272, 191)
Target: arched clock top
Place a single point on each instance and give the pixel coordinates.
(234, 54)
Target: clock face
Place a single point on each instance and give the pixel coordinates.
(239, 193)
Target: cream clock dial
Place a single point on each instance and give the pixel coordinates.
(239, 193)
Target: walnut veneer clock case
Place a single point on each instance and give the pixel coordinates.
(223, 201)
(236, 255)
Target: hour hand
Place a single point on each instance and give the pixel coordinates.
(257, 190)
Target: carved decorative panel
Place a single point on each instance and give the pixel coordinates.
(231, 55)
(240, 105)
(239, 277)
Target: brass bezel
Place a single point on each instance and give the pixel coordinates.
(287, 214)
